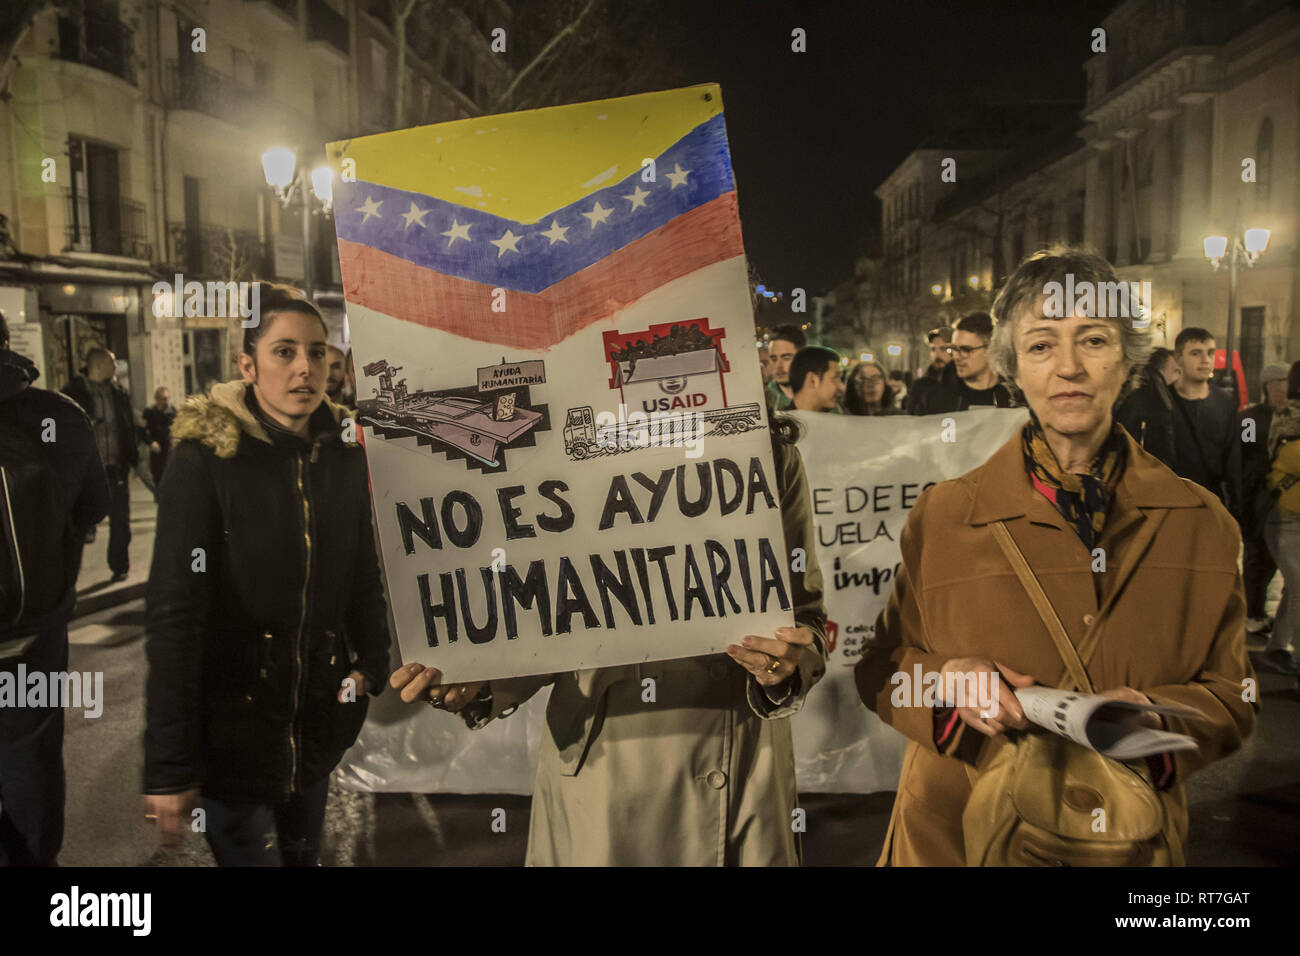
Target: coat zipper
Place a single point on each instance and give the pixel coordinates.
(302, 622)
(16, 549)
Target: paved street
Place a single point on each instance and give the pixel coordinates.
(1245, 810)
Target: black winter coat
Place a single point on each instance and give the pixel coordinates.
(1148, 415)
(247, 654)
(75, 462)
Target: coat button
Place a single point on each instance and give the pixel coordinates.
(716, 779)
(1088, 620)
(267, 635)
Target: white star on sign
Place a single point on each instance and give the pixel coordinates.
(415, 215)
(597, 214)
(506, 243)
(556, 232)
(637, 196)
(370, 208)
(457, 231)
(677, 176)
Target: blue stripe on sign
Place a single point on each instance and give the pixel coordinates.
(411, 225)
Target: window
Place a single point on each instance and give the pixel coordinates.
(1252, 344)
(94, 207)
(1264, 162)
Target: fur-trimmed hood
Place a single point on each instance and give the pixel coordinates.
(218, 418)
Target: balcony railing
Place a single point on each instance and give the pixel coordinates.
(217, 252)
(207, 91)
(98, 39)
(323, 23)
(115, 227)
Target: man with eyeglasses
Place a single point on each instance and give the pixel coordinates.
(969, 380)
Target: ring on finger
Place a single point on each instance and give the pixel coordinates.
(772, 667)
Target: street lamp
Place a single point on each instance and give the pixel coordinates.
(280, 167)
(1245, 248)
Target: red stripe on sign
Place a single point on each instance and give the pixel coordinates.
(393, 286)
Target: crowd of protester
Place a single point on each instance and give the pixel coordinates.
(1141, 436)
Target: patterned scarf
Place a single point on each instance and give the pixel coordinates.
(1082, 499)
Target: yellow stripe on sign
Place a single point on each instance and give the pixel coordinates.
(524, 165)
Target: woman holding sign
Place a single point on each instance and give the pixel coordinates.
(267, 623)
(684, 762)
(1074, 559)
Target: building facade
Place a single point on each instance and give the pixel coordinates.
(132, 140)
(1190, 128)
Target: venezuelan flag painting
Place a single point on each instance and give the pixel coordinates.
(557, 386)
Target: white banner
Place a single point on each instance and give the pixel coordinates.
(865, 475)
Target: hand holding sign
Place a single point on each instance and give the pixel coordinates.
(773, 660)
(417, 682)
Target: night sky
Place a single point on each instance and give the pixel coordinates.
(813, 134)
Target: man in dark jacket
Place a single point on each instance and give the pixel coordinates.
(158, 419)
(1148, 412)
(1207, 439)
(113, 419)
(918, 395)
(31, 738)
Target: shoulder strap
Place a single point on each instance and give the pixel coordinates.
(1073, 664)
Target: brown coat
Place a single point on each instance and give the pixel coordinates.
(1171, 625)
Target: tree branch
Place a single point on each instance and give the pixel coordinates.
(546, 50)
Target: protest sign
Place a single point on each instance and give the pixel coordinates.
(865, 476)
(568, 447)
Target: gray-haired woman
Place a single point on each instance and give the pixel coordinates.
(1110, 534)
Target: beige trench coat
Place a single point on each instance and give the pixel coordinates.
(704, 775)
(1171, 624)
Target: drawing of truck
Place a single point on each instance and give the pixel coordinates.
(583, 438)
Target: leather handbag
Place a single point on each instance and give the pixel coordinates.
(1039, 799)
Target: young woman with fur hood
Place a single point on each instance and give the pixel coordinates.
(267, 623)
